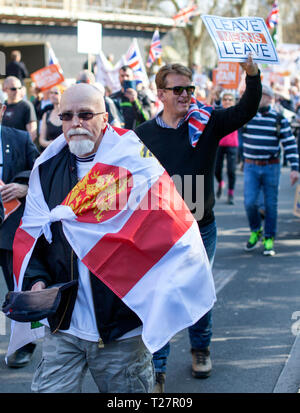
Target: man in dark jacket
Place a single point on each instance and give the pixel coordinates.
(97, 329)
(134, 105)
(169, 138)
(16, 67)
(17, 156)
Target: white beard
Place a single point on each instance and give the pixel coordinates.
(81, 147)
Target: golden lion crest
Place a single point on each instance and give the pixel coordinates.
(98, 193)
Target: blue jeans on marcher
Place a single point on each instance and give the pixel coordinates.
(200, 333)
(263, 178)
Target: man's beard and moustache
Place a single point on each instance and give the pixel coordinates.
(80, 147)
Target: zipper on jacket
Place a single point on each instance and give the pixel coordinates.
(68, 302)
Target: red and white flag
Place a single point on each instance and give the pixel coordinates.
(185, 14)
(127, 223)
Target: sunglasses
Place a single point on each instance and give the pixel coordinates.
(54, 93)
(178, 90)
(67, 116)
(229, 99)
(13, 89)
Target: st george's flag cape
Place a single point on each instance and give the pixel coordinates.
(127, 223)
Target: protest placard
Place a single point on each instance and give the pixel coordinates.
(235, 38)
(227, 74)
(11, 206)
(89, 37)
(47, 77)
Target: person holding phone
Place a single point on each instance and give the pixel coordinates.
(133, 105)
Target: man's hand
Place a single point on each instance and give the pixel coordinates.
(38, 286)
(250, 67)
(12, 191)
(294, 176)
(131, 94)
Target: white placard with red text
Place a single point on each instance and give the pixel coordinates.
(235, 38)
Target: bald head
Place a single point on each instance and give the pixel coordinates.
(84, 92)
(86, 118)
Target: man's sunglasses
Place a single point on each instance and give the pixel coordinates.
(13, 89)
(67, 116)
(178, 90)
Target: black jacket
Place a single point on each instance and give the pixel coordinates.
(56, 262)
(174, 151)
(17, 69)
(19, 154)
(135, 113)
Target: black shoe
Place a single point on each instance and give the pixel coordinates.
(21, 357)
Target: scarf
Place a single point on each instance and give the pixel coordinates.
(197, 116)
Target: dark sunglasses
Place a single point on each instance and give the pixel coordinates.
(54, 93)
(13, 89)
(178, 90)
(67, 116)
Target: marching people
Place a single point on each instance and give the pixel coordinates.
(262, 137)
(18, 155)
(184, 150)
(97, 329)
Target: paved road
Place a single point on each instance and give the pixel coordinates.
(253, 347)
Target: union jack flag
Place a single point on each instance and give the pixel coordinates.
(155, 49)
(134, 59)
(197, 116)
(272, 19)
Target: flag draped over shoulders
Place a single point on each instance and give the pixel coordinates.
(127, 223)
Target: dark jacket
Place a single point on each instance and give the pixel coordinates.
(19, 154)
(17, 69)
(174, 151)
(56, 262)
(135, 113)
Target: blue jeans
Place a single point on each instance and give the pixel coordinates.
(200, 333)
(266, 179)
